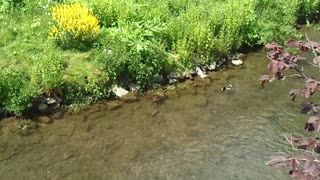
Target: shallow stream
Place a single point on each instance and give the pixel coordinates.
(198, 133)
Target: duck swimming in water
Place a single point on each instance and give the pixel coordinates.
(226, 88)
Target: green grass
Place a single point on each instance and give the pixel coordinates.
(140, 40)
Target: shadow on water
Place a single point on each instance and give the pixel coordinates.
(204, 135)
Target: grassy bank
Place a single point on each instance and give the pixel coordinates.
(136, 40)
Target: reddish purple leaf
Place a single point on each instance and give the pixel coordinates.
(272, 66)
(304, 48)
(266, 78)
(300, 58)
(279, 161)
(310, 166)
(300, 175)
(277, 66)
(305, 93)
(311, 86)
(274, 54)
(272, 46)
(283, 161)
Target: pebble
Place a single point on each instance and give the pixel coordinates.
(200, 73)
(119, 91)
(237, 62)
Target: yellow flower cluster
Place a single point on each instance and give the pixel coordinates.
(73, 21)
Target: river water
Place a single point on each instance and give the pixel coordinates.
(199, 133)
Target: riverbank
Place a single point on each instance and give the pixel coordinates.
(195, 86)
(197, 133)
(49, 60)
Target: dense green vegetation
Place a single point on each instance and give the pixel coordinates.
(138, 40)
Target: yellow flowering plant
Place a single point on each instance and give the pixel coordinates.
(74, 26)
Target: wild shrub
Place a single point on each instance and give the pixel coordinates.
(46, 72)
(134, 50)
(206, 30)
(84, 82)
(110, 12)
(309, 11)
(16, 93)
(275, 21)
(74, 26)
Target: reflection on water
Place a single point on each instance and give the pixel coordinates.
(207, 135)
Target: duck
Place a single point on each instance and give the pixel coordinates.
(226, 88)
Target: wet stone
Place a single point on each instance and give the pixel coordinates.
(23, 127)
(202, 82)
(174, 106)
(181, 86)
(206, 81)
(44, 120)
(97, 115)
(173, 94)
(189, 90)
(201, 101)
(129, 98)
(51, 101)
(67, 156)
(227, 76)
(113, 105)
(201, 90)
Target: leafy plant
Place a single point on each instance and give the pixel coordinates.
(135, 50)
(110, 12)
(84, 82)
(309, 11)
(305, 165)
(16, 93)
(276, 20)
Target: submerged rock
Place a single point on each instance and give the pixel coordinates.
(22, 127)
(189, 90)
(201, 90)
(158, 98)
(129, 98)
(172, 94)
(44, 120)
(201, 82)
(199, 101)
(113, 105)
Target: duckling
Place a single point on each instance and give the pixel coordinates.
(226, 88)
